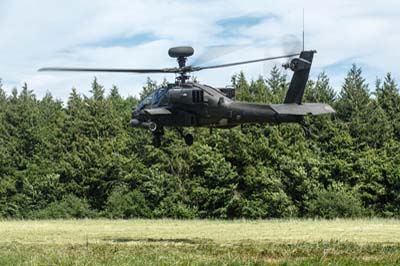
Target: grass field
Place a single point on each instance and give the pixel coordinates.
(196, 242)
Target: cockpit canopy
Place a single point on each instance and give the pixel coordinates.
(154, 99)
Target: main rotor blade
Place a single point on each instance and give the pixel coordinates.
(291, 44)
(213, 52)
(246, 62)
(161, 70)
(114, 70)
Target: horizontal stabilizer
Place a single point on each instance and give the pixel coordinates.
(158, 111)
(303, 109)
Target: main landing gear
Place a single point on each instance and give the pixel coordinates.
(158, 132)
(187, 137)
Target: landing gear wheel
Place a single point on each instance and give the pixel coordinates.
(153, 127)
(189, 139)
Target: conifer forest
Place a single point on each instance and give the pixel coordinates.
(80, 158)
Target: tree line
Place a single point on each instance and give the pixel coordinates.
(82, 159)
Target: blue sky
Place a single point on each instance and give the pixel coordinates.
(137, 34)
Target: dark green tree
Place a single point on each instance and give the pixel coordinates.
(242, 87)
(277, 84)
(320, 91)
(388, 98)
(354, 105)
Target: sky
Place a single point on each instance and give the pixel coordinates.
(138, 34)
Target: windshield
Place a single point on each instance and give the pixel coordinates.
(158, 96)
(155, 98)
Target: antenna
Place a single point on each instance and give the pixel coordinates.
(303, 29)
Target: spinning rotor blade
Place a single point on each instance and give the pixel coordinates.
(181, 70)
(291, 44)
(245, 62)
(213, 52)
(114, 70)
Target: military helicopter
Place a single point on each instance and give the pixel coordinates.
(190, 104)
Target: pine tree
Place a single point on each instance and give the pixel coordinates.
(242, 87)
(320, 91)
(122, 107)
(354, 105)
(97, 91)
(259, 91)
(388, 98)
(23, 119)
(354, 96)
(277, 84)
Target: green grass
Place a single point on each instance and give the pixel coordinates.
(196, 242)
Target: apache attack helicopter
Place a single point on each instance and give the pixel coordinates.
(190, 104)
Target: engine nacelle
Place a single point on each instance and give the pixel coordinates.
(185, 96)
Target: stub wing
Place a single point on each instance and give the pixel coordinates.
(303, 109)
(158, 111)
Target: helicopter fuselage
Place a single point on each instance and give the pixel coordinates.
(196, 105)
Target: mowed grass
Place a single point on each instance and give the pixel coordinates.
(200, 242)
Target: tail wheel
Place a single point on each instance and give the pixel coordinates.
(189, 139)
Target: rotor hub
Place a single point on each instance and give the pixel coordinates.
(181, 61)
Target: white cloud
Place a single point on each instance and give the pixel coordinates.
(52, 33)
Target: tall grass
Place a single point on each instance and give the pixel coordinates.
(197, 242)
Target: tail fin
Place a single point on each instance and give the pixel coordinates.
(301, 67)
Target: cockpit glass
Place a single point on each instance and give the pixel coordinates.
(154, 98)
(159, 95)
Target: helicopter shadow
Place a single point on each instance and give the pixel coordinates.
(159, 240)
